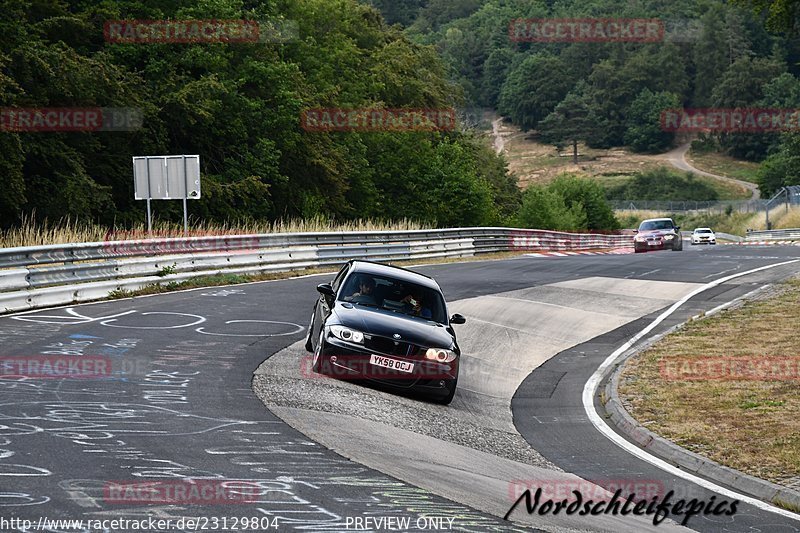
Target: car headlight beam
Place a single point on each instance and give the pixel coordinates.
(440, 355)
(347, 334)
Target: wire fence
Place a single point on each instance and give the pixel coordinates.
(678, 206)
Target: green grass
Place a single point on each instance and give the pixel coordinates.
(668, 184)
(724, 165)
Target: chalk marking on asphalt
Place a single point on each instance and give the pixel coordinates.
(597, 421)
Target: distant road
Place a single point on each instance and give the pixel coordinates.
(499, 142)
(677, 158)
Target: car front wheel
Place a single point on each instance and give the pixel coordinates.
(309, 344)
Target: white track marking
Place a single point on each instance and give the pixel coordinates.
(591, 386)
(199, 320)
(298, 330)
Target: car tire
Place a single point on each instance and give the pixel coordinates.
(316, 364)
(309, 344)
(638, 251)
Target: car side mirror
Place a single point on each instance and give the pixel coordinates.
(636, 231)
(677, 228)
(325, 289)
(457, 319)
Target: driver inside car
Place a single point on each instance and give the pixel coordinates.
(364, 294)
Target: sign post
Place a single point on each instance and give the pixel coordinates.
(167, 177)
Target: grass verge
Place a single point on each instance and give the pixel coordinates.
(734, 223)
(32, 233)
(746, 423)
(724, 165)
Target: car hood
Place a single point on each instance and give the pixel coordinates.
(387, 323)
(656, 233)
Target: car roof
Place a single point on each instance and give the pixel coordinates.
(657, 220)
(369, 267)
(698, 229)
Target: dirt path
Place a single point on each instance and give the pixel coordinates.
(499, 141)
(533, 162)
(677, 158)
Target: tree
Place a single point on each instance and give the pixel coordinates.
(781, 168)
(645, 132)
(590, 196)
(495, 71)
(533, 89)
(781, 15)
(571, 121)
(545, 209)
(710, 55)
(743, 86)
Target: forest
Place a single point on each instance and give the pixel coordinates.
(239, 104)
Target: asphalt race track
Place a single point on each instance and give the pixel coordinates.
(179, 403)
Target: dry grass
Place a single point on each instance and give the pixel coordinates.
(536, 163)
(31, 233)
(746, 424)
(724, 165)
(735, 223)
(786, 220)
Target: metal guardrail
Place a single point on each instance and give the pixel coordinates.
(40, 276)
(774, 235)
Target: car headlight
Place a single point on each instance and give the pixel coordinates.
(440, 355)
(669, 237)
(347, 334)
(639, 239)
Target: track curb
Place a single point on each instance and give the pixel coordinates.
(684, 459)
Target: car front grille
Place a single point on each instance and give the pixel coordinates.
(386, 346)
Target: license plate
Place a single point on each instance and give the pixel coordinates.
(394, 364)
(654, 243)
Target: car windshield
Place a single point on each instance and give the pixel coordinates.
(394, 295)
(655, 224)
(702, 231)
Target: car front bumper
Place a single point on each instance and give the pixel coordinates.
(661, 244)
(343, 360)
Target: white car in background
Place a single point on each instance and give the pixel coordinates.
(703, 236)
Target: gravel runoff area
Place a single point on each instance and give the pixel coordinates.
(286, 380)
